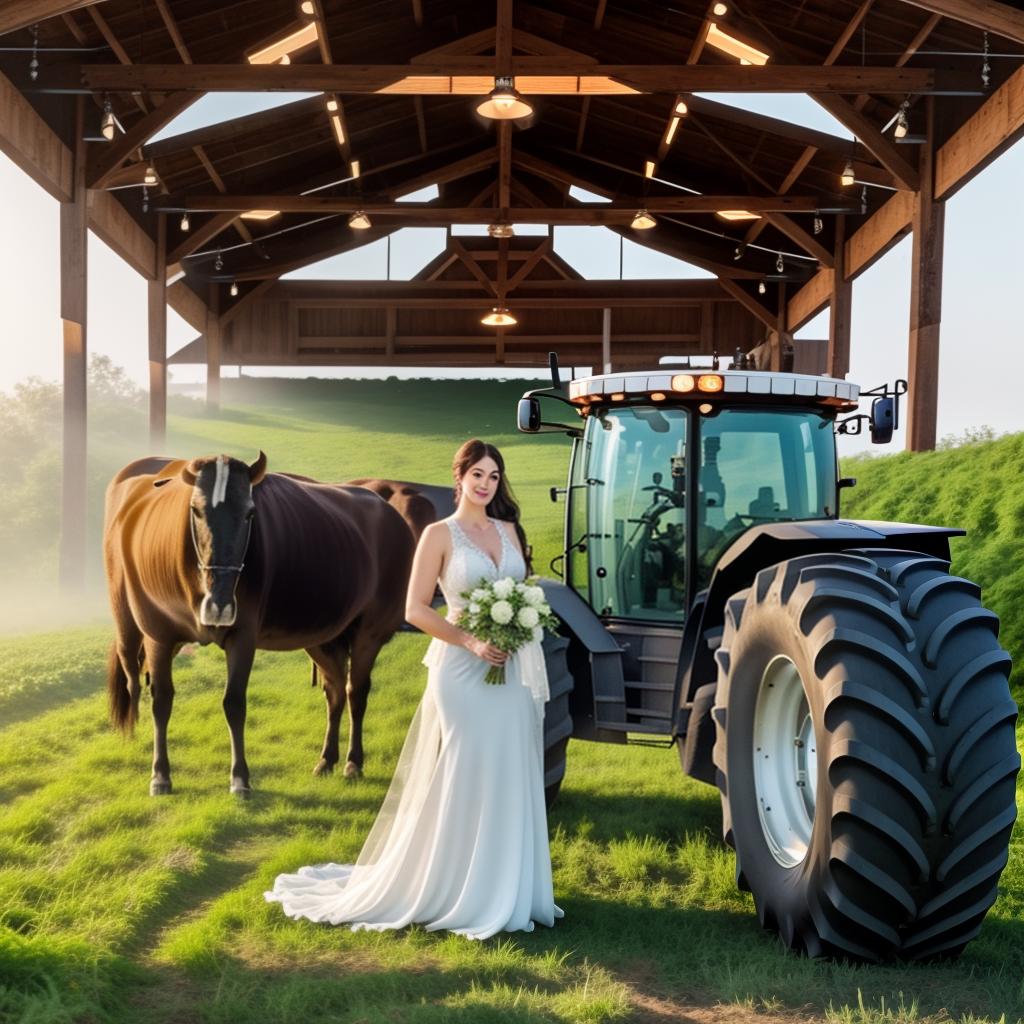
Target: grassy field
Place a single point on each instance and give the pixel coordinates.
(118, 907)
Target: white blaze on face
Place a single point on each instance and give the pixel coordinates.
(220, 484)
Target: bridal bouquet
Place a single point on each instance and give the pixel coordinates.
(508, 614)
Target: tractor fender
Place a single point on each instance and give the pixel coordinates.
(754, 550)
(595, 662)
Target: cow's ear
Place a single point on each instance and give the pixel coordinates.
(258, 469)
(190, 472)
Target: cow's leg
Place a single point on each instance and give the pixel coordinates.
(159, 657)
(333, 661)
(240, 652)
(365, 645)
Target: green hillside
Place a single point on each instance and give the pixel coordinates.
(978, 487)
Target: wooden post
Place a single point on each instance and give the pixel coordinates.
(213, 349)
(779, 338)
(74, 278)
(841, 307)
(157, 294)
(606, 340)
(925, 300)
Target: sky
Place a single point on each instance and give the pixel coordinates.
(982, 339)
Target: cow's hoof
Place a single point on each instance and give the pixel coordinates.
(240, 790)
(323, 767)
(157, 787)
(353, 771)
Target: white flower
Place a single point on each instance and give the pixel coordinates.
(501, 611)
(520, 588)
(534, 596)
(474, 608)
(528, 617)
(504, 587)
(478, 594)
(538, 633)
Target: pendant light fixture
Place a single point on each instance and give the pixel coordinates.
(150, 177)
(185, 225)
(642, 220)
(902, 124)
(234, 288)
(500, 230)
(848, 177)
(499, 316)
(504, 103)
(359, 221)
(108, 125)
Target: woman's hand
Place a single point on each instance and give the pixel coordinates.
(483, 649)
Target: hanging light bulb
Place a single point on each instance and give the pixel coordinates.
(504, 102)
(306, 8)
(761, 288)
(818, 224)
(902, 125)
(218, 263)
(108, 126)
(185, 222)
(150, 177)
(780, 265)
(642, 221)
(234, 288)
(500, 230)
(359, 221)
(848, 177)
(739, 251)
(499, 316)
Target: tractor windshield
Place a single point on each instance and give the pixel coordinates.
(628, 513)
(759, 466)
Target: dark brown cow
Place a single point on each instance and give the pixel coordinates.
(215, 551)
(419, 504)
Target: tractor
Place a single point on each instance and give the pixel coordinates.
(846, 694)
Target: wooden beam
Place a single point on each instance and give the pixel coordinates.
(112, 155)
(111, 222)
(842, 308)
(810, 300)
(189, 306)
(535, 76)
(504, 164)
(74, 286)
(32, 144)
(156, 295)
(990, 131)
(925, 302)
(474, 268)
(199, 236)
(988, 15)
(749, 303)
(173, 31)
(529, 263)
(17, 14)
(878, 234)
(119, 51)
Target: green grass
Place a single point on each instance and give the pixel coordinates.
(118, 907)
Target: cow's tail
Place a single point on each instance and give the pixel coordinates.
(123, 703)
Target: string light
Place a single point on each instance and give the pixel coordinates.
(848, 177)
(234, 288)
(780, 263)
(761, 288)
(108, 126)
(33, 66)
(902, 125)
(145, 199)
(359, 221)
(817, 224)
(185, 225)
(986, 68)
(739, 251)
(150, 176)
(218, 263)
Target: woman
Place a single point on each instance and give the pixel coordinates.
(461, 840)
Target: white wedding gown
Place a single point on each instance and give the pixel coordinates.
(461, 840)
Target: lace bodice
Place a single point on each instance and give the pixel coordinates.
(469, 564)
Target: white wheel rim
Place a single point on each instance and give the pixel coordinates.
(785, 762)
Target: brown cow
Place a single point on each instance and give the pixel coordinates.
(215, 551)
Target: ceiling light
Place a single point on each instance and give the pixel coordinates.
(745, 53)
(234, 288)
(682, 109)
(302, 37)
(737, 215)
(499, 316)
(671, 131)
(353, 168)
(259, 214)
(649, 168)
(108, 126)
(359, 221)
(642, 220)
(339, 131)
(902, 125)
(848, 177)
(332, 104)
(761, 288)
(500, 230)
(184, 222)
(285, 59)
(720, 10)
(150, 176)
(504, 103)
(306, 8)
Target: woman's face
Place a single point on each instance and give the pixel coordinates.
(480, 481)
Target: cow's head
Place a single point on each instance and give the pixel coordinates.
(221, 513)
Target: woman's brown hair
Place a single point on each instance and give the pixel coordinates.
(503, 505)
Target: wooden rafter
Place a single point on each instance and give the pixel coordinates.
(988, 15)
(119, 51)
(173, 31)
(17, 14)
(529, 264)
(472, 266)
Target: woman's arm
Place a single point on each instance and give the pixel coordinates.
(426, 568)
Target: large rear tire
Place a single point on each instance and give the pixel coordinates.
(865, 753)
(557, 719)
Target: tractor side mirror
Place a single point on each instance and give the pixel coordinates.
(528, 415)
(883, 419)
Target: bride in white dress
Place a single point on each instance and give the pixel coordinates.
(461, 840)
